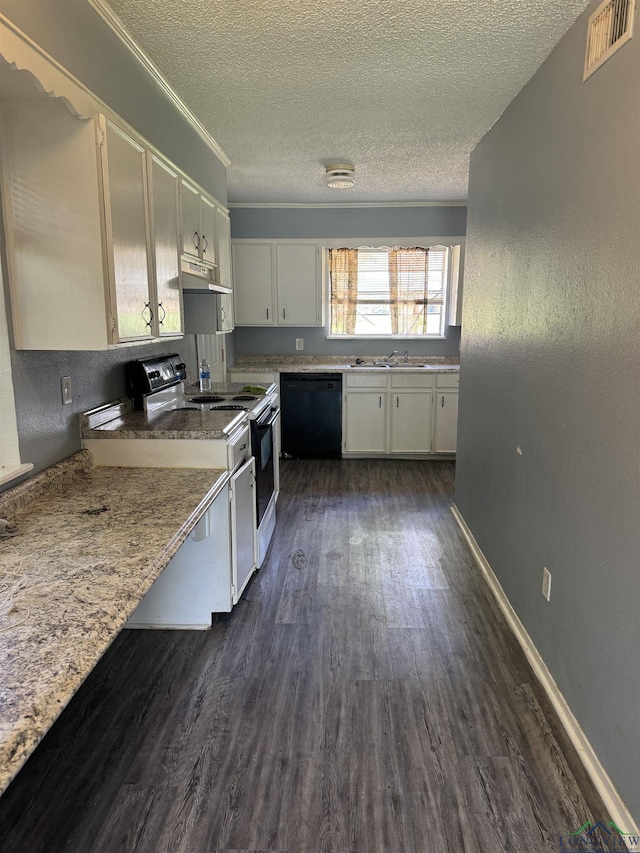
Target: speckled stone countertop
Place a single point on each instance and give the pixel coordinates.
(218, 388)
(338, 364)
(180, 423)
(90, 543)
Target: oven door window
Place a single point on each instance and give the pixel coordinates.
(262, 446)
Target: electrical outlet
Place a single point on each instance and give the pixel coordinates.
(65, 386)
(546, 583)
(299, 343)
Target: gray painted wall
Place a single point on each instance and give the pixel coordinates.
(316, 223)
(77, 37)
(550, 358)
(334, 223)
(49, 431)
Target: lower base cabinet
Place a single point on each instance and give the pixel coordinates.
(210, 570)
(365, 421)
(197, 580)
(446, 421)
(399, 413)
(410, 421)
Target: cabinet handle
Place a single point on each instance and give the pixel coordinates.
(379, 402)
(267, 313)
(206, 244)
(164, 313)
(284, 313)
(442, 403)
(397, 402)
(196, 240)
(147, 307)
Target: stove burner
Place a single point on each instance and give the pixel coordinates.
(228, 409)
(206, 399)
(186, 409)
(244, 397)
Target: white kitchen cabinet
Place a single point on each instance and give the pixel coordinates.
(197, 581)
(243, 527)
(225, 316)
(124, 171)
(277, 283)
(164, 186)
(299, 291)
(446, 413)
(388, 413)
(198, 225)
(365, 422)
(410, 421)
(205, 312)
(77, 215)
(253, 289)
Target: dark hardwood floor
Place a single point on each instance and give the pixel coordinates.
(365, 696)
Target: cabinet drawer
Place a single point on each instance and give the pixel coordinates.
(366, 380)
(412, 380)
(448, 380)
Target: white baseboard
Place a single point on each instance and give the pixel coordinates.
(617, 810)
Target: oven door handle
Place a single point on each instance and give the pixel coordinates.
(273, 417)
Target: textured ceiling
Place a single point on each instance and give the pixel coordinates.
(404, 89)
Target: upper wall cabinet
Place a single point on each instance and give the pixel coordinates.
(253, 294)
(198, 225)
(277, 283)
(299, 290)
(92, 256)
(164, 190)
(124, 174)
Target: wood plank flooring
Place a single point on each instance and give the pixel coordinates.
(365, 696)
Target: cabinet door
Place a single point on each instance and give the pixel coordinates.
(166, 247)
(446, 421)
(253, 284)
(207, 230)
(298, 284)
(190, 204)
(53, 222)
(365, 422)
(411, 421)
(225, 313)
(223, 247)
(243, 526)
(127, 234)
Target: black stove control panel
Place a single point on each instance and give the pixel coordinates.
(152, 374)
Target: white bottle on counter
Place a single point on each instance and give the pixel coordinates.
(205, 375)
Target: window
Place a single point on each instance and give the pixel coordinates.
(388, 291)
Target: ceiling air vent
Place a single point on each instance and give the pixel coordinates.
(609, 28)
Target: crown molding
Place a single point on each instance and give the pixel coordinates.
(330, 205)
(118, 28)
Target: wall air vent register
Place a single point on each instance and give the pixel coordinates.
(609, 27)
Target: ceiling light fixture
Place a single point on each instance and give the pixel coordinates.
(341, 176)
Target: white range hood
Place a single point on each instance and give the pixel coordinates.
(200, 278)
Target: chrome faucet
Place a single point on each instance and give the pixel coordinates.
(394, 353)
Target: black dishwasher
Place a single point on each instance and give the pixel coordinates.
(311, 415)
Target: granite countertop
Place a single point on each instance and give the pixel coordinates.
(179, 423)
(339, 364)
(90, 543)
(218, 388)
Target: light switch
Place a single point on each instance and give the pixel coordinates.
(65, 384)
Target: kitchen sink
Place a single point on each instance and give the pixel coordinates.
(387, 366)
